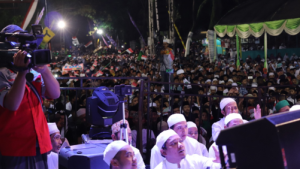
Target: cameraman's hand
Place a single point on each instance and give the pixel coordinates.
(41, 69)
(19, 59)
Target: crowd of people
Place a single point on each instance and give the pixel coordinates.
(249, 84)
(185, 115)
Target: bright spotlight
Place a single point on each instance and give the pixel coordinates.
(99, 31)
(61, 24)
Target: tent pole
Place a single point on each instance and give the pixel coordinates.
(237, 52)
(266, 50)
(215, 44)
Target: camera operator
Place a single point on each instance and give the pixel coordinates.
(166, 63)
(25, 138)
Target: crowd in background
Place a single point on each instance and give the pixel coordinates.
(249, 83)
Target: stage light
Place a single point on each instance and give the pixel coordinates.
(61, 24)
(99, 31)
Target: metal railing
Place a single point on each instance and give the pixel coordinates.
(144, 90)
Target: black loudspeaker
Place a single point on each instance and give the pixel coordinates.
(272, 142)
(83, 156)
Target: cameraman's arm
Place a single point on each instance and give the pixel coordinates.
(14, 96)
(51, 84)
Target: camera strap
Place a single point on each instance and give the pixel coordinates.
(34, 91)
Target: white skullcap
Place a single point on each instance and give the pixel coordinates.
(295, 107)
(217, 76)
(231, 69)
(208, 80)
(292, 67)
(112, 149)
(163, 137)
(215, 80)
(271, 74)
(221, 82)
(152, 105)
(213, 88)
(225, 91)
(80, 112)
(226, 101)
(166, 41)
(230, 80)
(234, 84)
(175, 118)
(191, 124)
(180, 71)
(52, 128)
(254, 85)
(272, 88)
(232, 116)
(279, 59)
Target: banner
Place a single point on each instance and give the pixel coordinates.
(179, 36)
(88, 44)
(29, 14)
(129, 50)
(144, 57)
(104, 41)
(136, 27)
(76, 67)
(111, 40)
(140, 55)
(75, 41)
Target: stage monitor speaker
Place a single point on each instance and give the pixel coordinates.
(272, 142)
(83, 156)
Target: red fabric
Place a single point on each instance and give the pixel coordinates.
(20, 129)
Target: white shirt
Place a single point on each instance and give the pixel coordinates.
(218, 126)
(52, 160)
(190, 162)
(192, 146)
(139, 158)
(69, 106)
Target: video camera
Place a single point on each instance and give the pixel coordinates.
(26, 42)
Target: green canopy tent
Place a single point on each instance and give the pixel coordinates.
(260, 17)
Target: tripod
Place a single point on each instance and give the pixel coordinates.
(123, 126)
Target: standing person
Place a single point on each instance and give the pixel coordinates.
(24, 131)
(178, 123)
(119, 155)
(166, 63)
(171, 147)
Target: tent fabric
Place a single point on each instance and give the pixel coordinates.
(273, 28)
(254, 17)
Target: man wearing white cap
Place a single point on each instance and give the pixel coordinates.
(177, 122)
(119, 155)
(52, 157)
(172, 147)
(228, 106)
(231, 120)
(116, 135)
